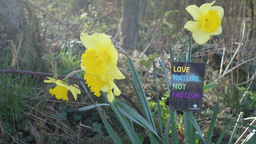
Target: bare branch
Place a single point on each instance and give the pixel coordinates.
(78, 36)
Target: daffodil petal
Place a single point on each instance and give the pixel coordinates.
(113, 71)
(61, 83)
(103, 41)
(50, 80)
(75, 91)
(87, 41)
(106, 88)
(113, 53)
(217, 32)
(204, 8)
(200, 36)
(192, 26)
(110, 96)
(117, 92)
(194, 11)
(219, 9)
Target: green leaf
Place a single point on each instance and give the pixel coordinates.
(110, 130)
(29, 138)
(141, 94)
(167, 130)
(131, 117)
(77, 117)
(62, 115)
(251, 138)
(132, 114)
(226, 128)
(147, 63)
(173, 115)
(213, 120)
(209, 86)
(125, 124)
(97, 127)
(198, 138)
(143, 62)
(70, 110)
(141, 138)
(63, 108)
(186, 126)
(194, 123)
(182, 57)
(157, 98)
(235, 128)
(92, 106)
(189, 49)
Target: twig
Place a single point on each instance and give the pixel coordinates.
(245, 131)
(222, 59)
(103, 15)
(12, 70)
(247, 80)
(238, 66)
(223, 112)
(12, 137)
(78, 36)
(239, 46)
(82, 125)
(247, 88)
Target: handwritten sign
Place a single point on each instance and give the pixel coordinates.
(187, 83)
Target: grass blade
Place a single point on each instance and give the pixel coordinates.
(213, 120)
(173, 117)
(182, 57)
(157, 98)
(194, 123)
(209, 86)
(226, 128)
(141, 94)
(110, 130)
(186, 125)
(167, 130)
(191, 129)
(92, 106)
(235, 128)
(250, 139)
(129, 112)
(189, 48)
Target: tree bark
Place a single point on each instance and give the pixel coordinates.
(130, 23)
(10, 18)
(199, 2)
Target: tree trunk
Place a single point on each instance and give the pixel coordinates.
(199, 2)
(130, 23)
(11, 19)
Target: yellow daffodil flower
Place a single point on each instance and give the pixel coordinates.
(62, 88)
(207, 21)
(100, 64)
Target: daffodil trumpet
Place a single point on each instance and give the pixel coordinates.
(62, 88)
(100, 65)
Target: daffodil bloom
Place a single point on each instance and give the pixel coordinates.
(100, 64)
(207, 21)
(62, 88)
